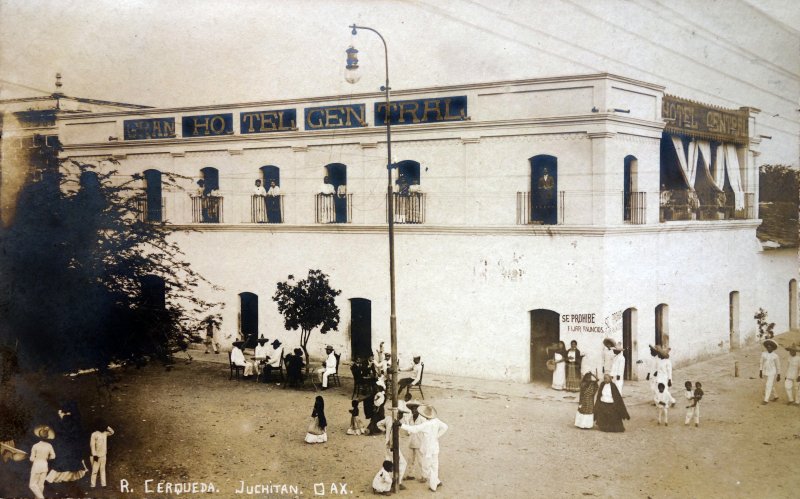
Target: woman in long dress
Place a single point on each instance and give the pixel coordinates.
(573, 367)
(585, 415)
(317, 433)
(609, 409)
(559, 374)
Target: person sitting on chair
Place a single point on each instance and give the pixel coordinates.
(294, 367)
(237, 357)
(407, 383)
(328, 367)
(275, 355)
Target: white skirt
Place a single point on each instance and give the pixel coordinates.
(316, 439)
(584, 420)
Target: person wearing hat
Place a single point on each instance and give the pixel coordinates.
(664, 372)
(618, 367)
(793, 375)
(770, 367)
(41, 452)
(262, 351)
(98, 443)
(652, 371)
(608, 355)
(407, 383)
(431, 431)
(413, 418)
(211, 327)
(386, 427)
(275, 356)
(237, 357)
(328, 367)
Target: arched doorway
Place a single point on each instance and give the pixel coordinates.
(248, 318)
(793, 304)
(544, 333)
(630, 167)
(662, 325)
(360, 328)
(629, 343)
(733, 319)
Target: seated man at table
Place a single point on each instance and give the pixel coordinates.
(237, 357)
(275, 355)
(262, 354)
(328, 367)
(407, 383)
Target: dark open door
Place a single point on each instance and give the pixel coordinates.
(627, 340)
(249, 318)
(360, 328)
(544, 333)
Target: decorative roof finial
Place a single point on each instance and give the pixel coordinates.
(58, 82)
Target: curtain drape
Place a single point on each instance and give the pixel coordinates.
(715, 172)
(734, 175)
(688, 163)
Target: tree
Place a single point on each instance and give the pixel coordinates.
(86, 282)
(308, 304)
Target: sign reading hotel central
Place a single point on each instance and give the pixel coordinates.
(702, 121)
(330, 117)
(408, 112)
(207, 125)
(279, 120)
(150, 128)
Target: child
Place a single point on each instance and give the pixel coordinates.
(99, 446)
(356, 427)
(694, 407)
(317, 433)
(662, 403)
(382, 483)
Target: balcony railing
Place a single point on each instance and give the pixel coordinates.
(266, 209)
(207, 209)
(635, 209)
(408, 208)
(146, 212)
(705, 205)
(333, 208)
(541, 214)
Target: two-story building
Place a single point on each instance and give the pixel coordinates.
(526, 212)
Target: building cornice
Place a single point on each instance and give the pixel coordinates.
(395, 93)
(483, 230)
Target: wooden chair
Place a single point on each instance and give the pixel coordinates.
(335, 376)
(419, 385)
(361, 383)
(238, 370)
(279, 371)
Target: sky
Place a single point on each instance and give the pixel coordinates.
(169, 53)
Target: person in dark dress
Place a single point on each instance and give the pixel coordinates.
(609, 409)
(294, 367)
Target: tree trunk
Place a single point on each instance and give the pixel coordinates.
(304, 335)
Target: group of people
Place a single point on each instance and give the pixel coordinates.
(268, 205)
(770, 371)
(268, 357)
(68, 464)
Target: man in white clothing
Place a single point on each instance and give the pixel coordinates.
(41, 452)
(99, 447)
(618, 367)
(328, 368)
(407, 383)
(237, 357)
(664, 372)
(770, 367)
(608, 355)
(431, 431)
(793, 375)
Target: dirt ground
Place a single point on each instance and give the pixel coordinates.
(505, 440)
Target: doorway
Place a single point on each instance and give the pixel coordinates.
(360, 328)
(628, 343)
(248, 318)
(662, 325)
(544, 334)
(544, 189)
(733, 319)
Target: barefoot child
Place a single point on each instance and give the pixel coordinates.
(693, 409)
(382, 483)
(662, 403)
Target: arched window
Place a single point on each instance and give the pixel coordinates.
(544, 189)
(407, 174)
(334, 208)
(210, 177)
(207, 205)
(629, 340)
(151, 211)
(337, 175)
(633, 201)
(248, 318)
(270, 173)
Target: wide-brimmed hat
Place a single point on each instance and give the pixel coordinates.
(45, 432)
(276, 343)
(238, 343)
(608, 342)
(654, 349)
(427, 411)
(413, 403)
(793, 348)
(328, 347)
(262, 340)
(618, 347)
(774, 345)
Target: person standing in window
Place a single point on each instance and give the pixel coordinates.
(274, 203)
(259, 204)
(546, 196)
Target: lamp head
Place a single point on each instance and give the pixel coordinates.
(352, 74)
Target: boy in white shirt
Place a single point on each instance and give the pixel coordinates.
(663, 399)
(382, 483)
(792, 375)
(770, 367)
(99, 447)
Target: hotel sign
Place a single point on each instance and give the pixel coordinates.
(402, 112)
(687, 117)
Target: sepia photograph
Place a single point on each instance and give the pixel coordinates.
(360, 248)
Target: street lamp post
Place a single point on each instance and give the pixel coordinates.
(352, 68)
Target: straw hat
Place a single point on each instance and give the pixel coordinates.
(262, 340)
(793, 348)
(413, 403)
(608, 342)
(44, 432)
(774, 345)
(427, 411)
(618, 347)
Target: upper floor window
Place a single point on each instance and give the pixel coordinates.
(207, 203)
(333, 204)
(151, 206)
(544, 189)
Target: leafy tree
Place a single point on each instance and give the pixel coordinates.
(779, 183)
(308, 304)
(86, 282)
(765, 329)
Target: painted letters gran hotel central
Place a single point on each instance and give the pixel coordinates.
(404, 112)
